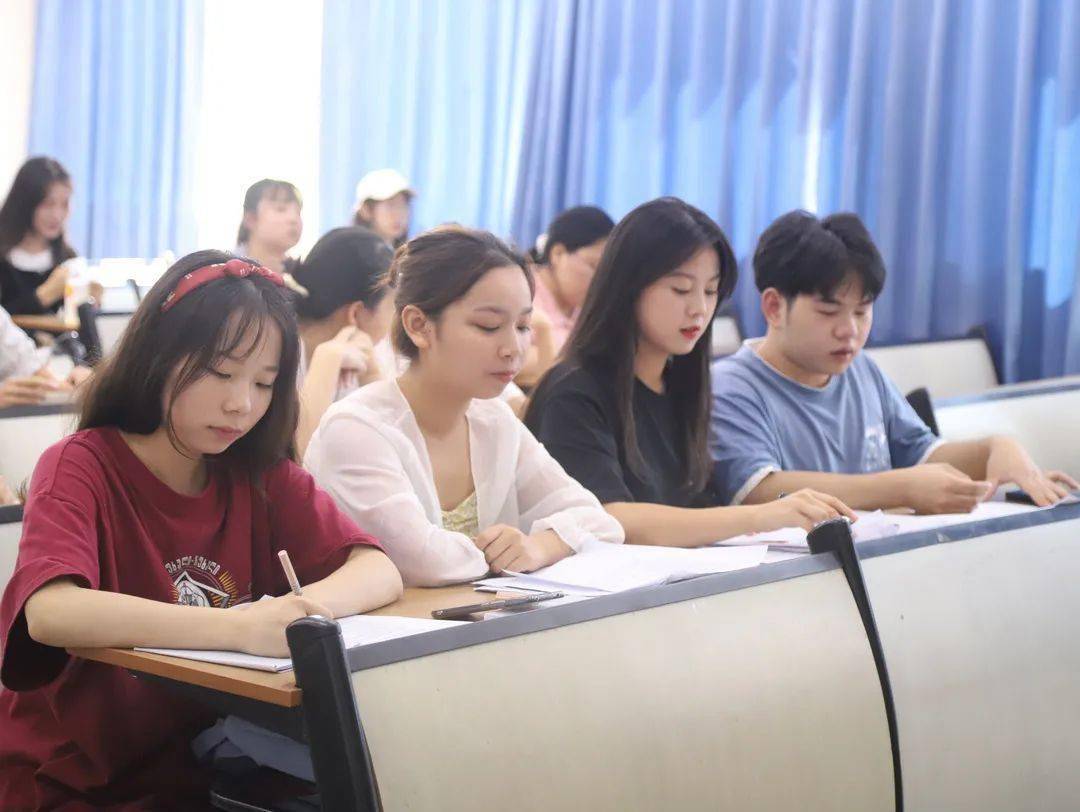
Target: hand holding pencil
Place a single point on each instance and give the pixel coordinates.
(262, 626)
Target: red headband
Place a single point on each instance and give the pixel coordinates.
(208, 273)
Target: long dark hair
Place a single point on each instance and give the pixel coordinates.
(348, 264)
(267, 187)
(435, 269)
(28, 190)
(128, 388)
(649, 243)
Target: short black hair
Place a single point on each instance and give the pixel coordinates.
(802, 254)
(576, 228)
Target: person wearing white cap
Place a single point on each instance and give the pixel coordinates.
(383, 198)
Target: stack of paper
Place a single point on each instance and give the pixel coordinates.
(358, 630)
(876, 524)
(601, 568)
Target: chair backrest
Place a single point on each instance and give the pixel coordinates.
(1044, 417)
(924, 407)
(722, 701)
(25, 432)
(10, 532)
(948, 368)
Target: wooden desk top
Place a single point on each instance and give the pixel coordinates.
(48, 324)
(273, 688)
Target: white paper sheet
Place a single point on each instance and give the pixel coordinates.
(601, 568)
(358, 630)
(876, 524)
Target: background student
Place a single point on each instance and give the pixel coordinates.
(568, 255)
(383, 204)
(803, 407)
(271, 225)
(344, 316)
(627, 411)
(433, 462)
(167, 506)
(33, 245)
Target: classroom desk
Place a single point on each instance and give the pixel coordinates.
(606, 725)
(47, 324)
(274, 689)
(982, 635)
(747, 690)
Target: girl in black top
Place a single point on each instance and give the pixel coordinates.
(33, 246)
(626, 411)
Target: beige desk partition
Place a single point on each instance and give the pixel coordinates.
(9, 550)
(1046, 420)
(23, 439)
(763, 698)
(946, 368)
(982, 638)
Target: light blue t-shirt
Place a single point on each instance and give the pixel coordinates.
(763, 421)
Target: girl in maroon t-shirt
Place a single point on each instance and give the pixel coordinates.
(169, 503)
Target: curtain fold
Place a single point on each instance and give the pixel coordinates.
(116, 100)
(951, 128)
(441, 90)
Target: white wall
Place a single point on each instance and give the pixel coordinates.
(260, 111)
(16, 77)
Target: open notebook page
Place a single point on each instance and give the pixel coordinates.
(601, 568)
(357, 630)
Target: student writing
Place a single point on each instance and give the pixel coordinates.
(165, 508)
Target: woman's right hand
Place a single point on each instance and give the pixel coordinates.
(354, 351)
(804, 508)
(260, 627)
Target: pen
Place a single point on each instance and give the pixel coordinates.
(290, 573)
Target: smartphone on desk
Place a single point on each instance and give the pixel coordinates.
(459, 612)
(1022, 497)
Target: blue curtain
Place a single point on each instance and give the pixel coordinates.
(437, 89)
(952, 128)
(115, 99)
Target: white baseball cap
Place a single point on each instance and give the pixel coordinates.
(381, 184)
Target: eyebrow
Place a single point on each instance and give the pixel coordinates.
(714, 278)
(829, 300)
(502, 311)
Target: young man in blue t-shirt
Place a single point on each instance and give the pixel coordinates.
(802, 408)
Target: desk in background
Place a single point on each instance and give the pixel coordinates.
(26, 431)
(1043, 415)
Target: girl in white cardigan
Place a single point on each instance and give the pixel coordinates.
(433, 464)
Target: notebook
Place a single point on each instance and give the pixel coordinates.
(601, 568)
